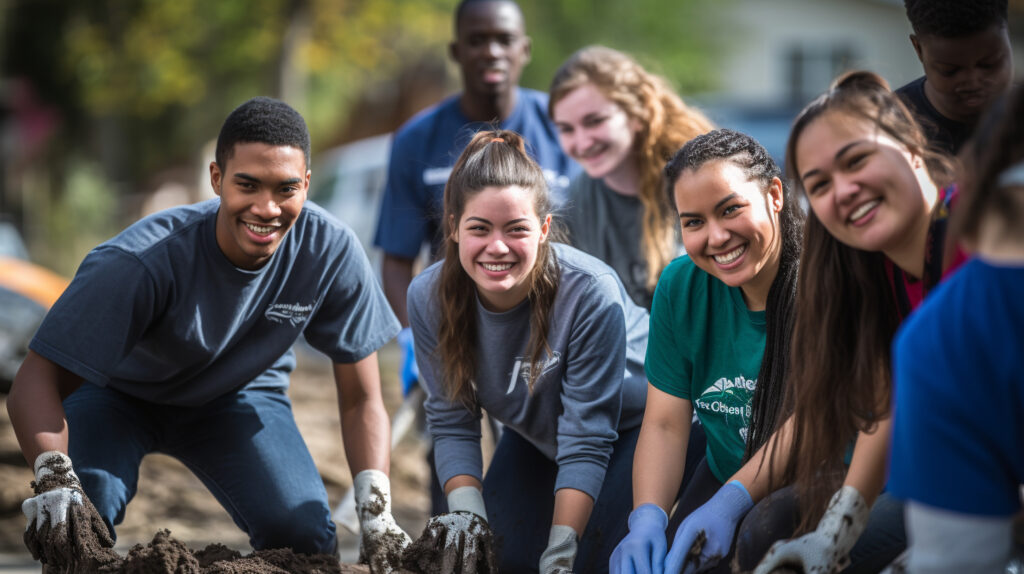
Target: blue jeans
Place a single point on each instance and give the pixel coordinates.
(244, 446)
(519, 494)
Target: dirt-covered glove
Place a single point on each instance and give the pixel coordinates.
(827, 548)
(559, 556)
(705, 536)
(62, 525)
(459, 541)
(382, 541)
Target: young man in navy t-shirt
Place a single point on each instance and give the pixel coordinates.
(176, 336)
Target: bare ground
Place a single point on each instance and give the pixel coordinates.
(171, 497)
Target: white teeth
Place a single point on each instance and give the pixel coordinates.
(262, 230)
(864, 209)
(727, 258)
(498, 267)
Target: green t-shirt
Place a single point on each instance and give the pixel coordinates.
(706, 346)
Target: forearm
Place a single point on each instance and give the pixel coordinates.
(759, 473)
(462, 480)
(365, 426)
(572, 508)
(660, 447)
(35, 407)
(396, 274)
(867, 472)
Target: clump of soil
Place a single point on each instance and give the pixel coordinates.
(693, 554)
(167, 555)
(453, 542)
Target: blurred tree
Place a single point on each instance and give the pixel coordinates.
(669, 37)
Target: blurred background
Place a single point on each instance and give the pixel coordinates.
(109, 110)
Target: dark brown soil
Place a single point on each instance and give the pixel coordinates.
(693, 555)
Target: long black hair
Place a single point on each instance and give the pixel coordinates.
(750, 156)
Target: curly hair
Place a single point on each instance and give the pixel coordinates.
(750, 156)
(262, 120)
(954, 18)
(666, 124)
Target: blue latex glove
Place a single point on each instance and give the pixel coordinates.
(716, 520)
(410, 373)
(642, 551)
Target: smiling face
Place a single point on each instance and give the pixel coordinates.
(262, 189)
(499, 235)
(730, 226)
(595, 131)
(965, 74)
(491, 47)
(866, 188)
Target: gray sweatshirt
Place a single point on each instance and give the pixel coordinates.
(592, 384)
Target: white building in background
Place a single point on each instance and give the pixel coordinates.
(782, 53)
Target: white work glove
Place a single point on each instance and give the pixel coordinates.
(60, 518)
(559, 556)
(463, 528)
(827, 549)
(382, 541)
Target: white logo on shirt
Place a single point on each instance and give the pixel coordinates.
(436, 175)
(729, 398)
(294, 313)
(522, 368)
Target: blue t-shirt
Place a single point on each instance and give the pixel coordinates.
(159, 313)
(958, 426)
(424, 151)
(592, 382)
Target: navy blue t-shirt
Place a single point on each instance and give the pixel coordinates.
(958, 422)
(160, 313)
(424, 151)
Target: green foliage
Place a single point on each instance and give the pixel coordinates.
(670, 37)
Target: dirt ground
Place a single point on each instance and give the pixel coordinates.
(170, 497)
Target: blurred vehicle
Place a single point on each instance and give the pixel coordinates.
(27, 291)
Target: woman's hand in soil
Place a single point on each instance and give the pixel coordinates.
(705, 536)
(827, 549)
(643, 550)
(382, 541)
(61, 520)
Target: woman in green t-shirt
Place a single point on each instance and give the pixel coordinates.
(717, 312)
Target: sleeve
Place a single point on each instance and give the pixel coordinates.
(355, 318)
(947, 451)
(944, 542)
(402, 226)
(454, 428)
(98, 319)
(668, 369)
(592, 389)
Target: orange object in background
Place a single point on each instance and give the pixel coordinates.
(34, 282)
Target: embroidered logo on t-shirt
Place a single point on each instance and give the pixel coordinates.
(522, 370)
(294, 313)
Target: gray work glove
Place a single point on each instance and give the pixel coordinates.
(382, 541)
(559, 556)
(827, 549)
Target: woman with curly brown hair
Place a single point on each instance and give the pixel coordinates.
(622, 124)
